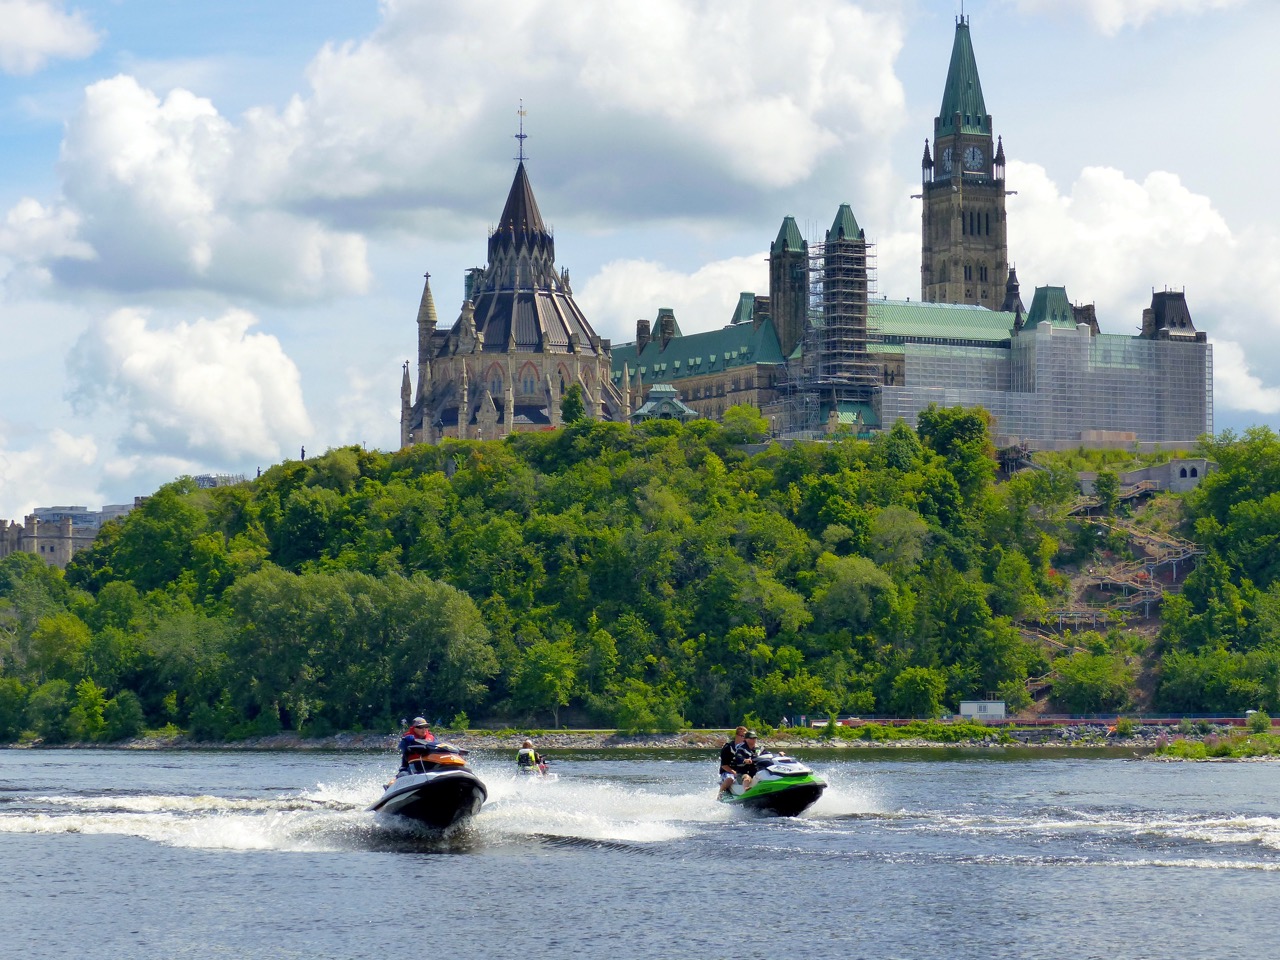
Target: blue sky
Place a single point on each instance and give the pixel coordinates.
(215, 217)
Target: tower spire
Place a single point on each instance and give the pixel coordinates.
(521, 136)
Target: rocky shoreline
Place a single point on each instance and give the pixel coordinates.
(612, 740)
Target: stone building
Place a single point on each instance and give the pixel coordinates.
(741, 362)
(56, 534)
(825, 353)
(519, 342)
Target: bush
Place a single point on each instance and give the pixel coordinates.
(122, 717)
(1259, 722)
(86, 721)
(13, 709)
(48, 711)
(460, 722)
(1125, 727)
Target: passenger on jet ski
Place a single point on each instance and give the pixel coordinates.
(528, 760)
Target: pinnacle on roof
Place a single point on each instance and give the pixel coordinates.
(521, 214)
(1000, 152)
(845, 226)
(789, 239)
(427, 306)
(926, 160)
(963, 92)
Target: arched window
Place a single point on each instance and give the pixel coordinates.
(1182, 472)
(1195, 472)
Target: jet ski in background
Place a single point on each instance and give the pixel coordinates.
(532, 765)
(434, 787)
(781, 787)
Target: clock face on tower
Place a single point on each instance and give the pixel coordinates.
(973, 159)
(946, 160)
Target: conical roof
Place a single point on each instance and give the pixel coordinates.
(521, 213)
(789, 239)
(963, 92)
(521, 302)
(427, 306)
(845, 226)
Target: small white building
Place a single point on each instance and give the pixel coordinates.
(981, 710)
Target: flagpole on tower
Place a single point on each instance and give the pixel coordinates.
(520, 137)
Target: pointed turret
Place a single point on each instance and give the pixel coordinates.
(406, 408)
(999, 161)
(427, 306)
(926, 162)
(789, 286)
(521, 214)
(1012, 295)
(427, 320)
(789, 239)
(962, 95)
(845, 226)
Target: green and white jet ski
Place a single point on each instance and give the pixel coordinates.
(781, 787)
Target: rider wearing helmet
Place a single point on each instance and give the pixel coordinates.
(528, 759)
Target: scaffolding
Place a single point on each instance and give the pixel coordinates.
(838, 364)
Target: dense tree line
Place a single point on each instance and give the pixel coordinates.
(644, 577)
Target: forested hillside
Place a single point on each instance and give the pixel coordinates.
(648, 578)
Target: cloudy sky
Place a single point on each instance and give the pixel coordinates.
(215, 215)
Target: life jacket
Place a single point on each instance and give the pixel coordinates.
(527, 757)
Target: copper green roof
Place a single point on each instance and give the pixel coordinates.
(696, 354)
(963, 92)
(789, 239)
(902, 321)
(845, 226)
(746, 309)
(1052, 304)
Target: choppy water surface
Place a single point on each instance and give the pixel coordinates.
(214, 854)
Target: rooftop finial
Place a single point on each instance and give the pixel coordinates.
(521, 135)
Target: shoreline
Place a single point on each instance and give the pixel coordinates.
(701, 740)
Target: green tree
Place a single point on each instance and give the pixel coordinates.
(58, 647)
(85, 722)
(1093, 682)
(917, 692)
(122, 717)
(743, 423)
(546, 676)
(572, 407)
(963, 439)
(48, 711)
(13, 709)
(1106, 487)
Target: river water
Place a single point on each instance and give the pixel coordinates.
(908, 855)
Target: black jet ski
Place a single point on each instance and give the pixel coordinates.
(782, 787)
(435, 787)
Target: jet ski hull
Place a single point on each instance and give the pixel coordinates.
(437, 800)
(780, 799)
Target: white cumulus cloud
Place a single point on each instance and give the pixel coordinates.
(1112, 16)
(58, 461)
(153, 200)
(161, 191)
(208, 390)
(33, 32)
(625, 291)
